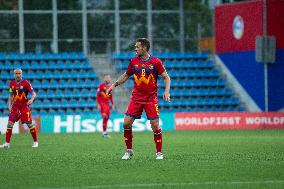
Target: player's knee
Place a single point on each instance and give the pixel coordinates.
(11, 124)
(30, 125)
(155, 127)
(126, 125)
(155, 124)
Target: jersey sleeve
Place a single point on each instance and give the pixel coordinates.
(129, 68)
(29, 87)
(99, 89)
(160, 67)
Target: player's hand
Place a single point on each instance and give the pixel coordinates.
(167, 96)
(109, 90)
(113, 107)
(30, 101)
(99, 107)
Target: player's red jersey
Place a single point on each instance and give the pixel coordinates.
(20, 92)
(145, 74)
(102, 97)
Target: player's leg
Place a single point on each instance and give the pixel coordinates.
(134, 111)
(13, 117)
(9, 131)
(152, 112)
(158, 137)
(33, 132)
(26, 118)
(127, 132)
(127, 127)
(105, 120)
(105, 111)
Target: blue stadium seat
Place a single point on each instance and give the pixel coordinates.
(67, 93)
(70, 111)
(76, 93)
(54, 83)
(43, 112)
(197, 85)
(50, 93)
(64, 103)
(52, 111)
(55, 103)
(61, 64)
(60, 111)
(41, 94)
(59, 93)
(73, 102)
(43, 64)
(52, 64)
(85, 93)
(45, 83)
(36, 84)
(5, 74)
(46, 103)
(8, 65)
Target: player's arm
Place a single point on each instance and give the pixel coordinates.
(167, 80)
(124, 77)
(100, 88)
(112, 102)
(10, 101)
(98, 103)
(32, 98)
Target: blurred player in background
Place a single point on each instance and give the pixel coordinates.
(145, 68)
(19, 107)
(103, 102)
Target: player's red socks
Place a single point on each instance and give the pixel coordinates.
(158, 140)
(105, 124)
(128, 137)
(8, 134)
(33, 133)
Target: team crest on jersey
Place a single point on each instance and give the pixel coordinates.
(151, 66)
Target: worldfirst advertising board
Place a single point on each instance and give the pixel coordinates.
(229, 120)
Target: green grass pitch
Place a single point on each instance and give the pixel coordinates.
(192, 159)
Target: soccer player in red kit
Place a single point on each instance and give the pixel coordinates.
(103, 102)
(145, 68)
(19, 107)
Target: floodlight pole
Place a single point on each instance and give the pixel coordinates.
(265, 63)
(21, 26)
(181, 25)
(55, 27)
(117, 27)
(149, 23)
(85, 27)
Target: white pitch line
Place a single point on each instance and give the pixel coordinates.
(271, 182)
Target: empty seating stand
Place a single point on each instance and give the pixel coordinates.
(196, 83)
(65, 83)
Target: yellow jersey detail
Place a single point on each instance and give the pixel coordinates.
(18, 97)
(143, 79)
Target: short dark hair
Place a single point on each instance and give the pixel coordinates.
(144, 43)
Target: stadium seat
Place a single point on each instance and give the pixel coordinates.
(195, 80)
